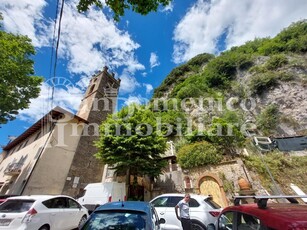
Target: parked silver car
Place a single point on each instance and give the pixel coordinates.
(203, 210)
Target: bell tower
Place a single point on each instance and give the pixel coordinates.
(98, 102)
(100, 97)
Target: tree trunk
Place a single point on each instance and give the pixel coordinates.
(128, 183)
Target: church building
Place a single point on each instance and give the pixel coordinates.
(56, 154)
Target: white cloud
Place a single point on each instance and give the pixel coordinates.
(133, 100)
(149, 88)
(243, 20)
(154, 60)
(26, 17)
(136, 100)
(128, 84)
(92, 41)
(168, 8)
(88, 42)
(68, 98)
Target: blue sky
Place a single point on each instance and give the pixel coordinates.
(140, 50)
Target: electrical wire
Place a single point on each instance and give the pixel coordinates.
(56, 49)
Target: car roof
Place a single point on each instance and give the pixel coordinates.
(126, 205)
(6, 196)
(201, 196)
(275, 215)
(35, 197)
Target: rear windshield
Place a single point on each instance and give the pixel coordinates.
(11, 206)
(212, 204)
(116, 220)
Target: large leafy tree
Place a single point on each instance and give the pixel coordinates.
(17, 85)
(131, 142)
(119, 6)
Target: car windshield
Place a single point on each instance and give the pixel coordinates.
(13, 206)
(116, 220)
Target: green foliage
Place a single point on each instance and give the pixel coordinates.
(119, 6)
(284, 169)
(173, 123)
(227, 184)
(130, 141)
(171, 120)
(192, 87)
(198, 154)
(284, 76)
(250, 47)
(263, 82)
(238, 89)
(294, 37)
(223, 68)
(225, 134)
(291, 39)
(268, 119)
(219, 71)
(178, 75)
(17, 86)
(272, 46)
(276, 61)
(197, 136)
(200, 60)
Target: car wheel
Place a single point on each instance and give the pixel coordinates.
(197, 226)
(45, 227)
(82, 221)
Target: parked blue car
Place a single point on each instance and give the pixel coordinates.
(123, 215)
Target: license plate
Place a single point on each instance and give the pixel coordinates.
(5, 222)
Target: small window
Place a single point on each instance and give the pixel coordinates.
(212, 204)
(160, 202)
(18, 206)
(248, 222)
(91, 89)
(173, 201)
(72, 203)
(55, 203)
(225, 221)
(193, 203)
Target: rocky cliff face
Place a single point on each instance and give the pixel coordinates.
(262, 83)
(289, 94)
(291, 99)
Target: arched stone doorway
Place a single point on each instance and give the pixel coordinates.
(211, 185)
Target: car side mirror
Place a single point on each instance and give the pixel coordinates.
(162, 221)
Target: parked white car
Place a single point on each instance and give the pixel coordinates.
(203, 210)
(42, 212)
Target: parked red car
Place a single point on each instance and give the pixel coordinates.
(263, 215)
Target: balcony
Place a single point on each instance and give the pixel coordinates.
(13, 169)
